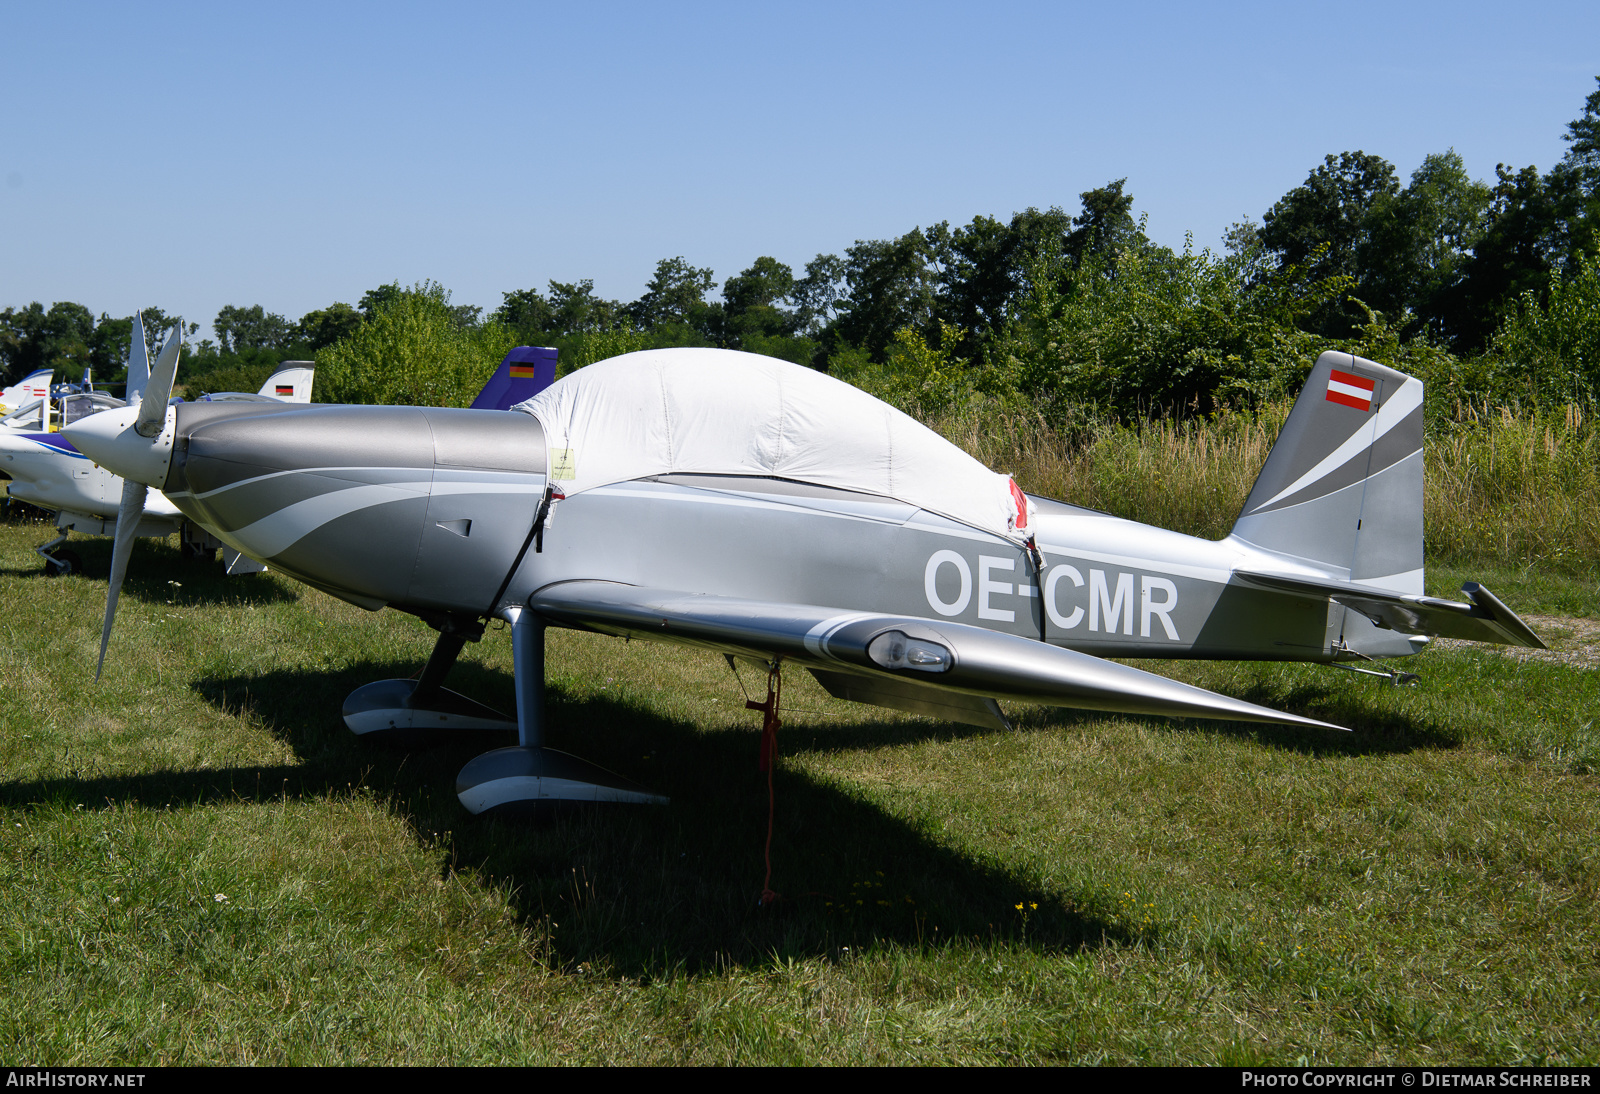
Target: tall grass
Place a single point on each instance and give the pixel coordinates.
(1515, 486)
(1191, 476)
(1505, 486)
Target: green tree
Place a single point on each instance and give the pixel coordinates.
(375, 300)
(325, 326)
(674, 296)
(1538, 225)
(33, 337)
(578, 310)
(1181, 332)
(983, 267)
(816, 295)
(1514, 256)
(108, 347)
(1583, 138)
(571, 308)
(1417, 244)
(413, 350)
(527, 312)
(891, 285)
(1324, 227)
(240, 329)
(1549, 351)
(750, 304)
(1576, 183)
(1106, 228)
(925, 379)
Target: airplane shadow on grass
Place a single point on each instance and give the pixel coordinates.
(650, 891)
(158, 574)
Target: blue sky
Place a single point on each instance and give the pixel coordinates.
(195, 155)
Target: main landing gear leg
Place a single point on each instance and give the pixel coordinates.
(402, 708)
(528, 777)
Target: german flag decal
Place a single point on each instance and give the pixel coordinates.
(1348, 389)
(283, 389)
(522, 372)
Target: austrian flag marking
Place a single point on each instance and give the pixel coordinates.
(1348, 389)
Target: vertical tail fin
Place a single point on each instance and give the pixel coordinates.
(1342, 487)
(526, 371)
(35, 385)
(291, 383)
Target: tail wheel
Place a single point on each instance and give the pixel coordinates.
(63, 563)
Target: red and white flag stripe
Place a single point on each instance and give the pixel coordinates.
(1348, 389)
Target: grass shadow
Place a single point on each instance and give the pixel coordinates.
(641, 892)
(158, 574)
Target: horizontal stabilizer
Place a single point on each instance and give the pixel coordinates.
(25, 411)
(905, 658)
(1485, 619)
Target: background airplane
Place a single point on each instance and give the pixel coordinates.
(26, 403)
(767, 511)
(291, 383)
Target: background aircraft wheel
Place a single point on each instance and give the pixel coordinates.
(190, 553)
(64, 563)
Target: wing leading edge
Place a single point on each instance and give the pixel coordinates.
(935, 667)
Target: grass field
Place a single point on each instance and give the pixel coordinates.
(201, 865)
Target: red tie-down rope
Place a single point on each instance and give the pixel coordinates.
(769, 760)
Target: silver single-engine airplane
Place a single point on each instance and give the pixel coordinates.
(764, 510)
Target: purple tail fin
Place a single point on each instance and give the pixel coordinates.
(526, 371)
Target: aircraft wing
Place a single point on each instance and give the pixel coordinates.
(951, 670)
(1485, 619)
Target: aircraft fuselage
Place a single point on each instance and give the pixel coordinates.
(47, 471)
(427, 510)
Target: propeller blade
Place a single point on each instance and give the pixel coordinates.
(128, 514)
(138, 362)
(153, 403)
(150, 421)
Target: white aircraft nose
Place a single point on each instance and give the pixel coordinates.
(109, 439)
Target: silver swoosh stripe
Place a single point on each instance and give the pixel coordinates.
(1391, 414)
(333, 472)
(279, 531)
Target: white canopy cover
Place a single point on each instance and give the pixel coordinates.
(722, 412)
